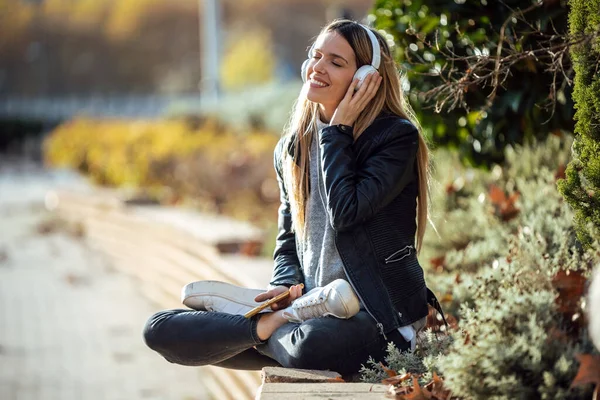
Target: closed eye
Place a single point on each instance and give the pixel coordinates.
(334, 63)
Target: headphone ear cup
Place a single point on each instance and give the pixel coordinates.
(304, 69)
(362, 73)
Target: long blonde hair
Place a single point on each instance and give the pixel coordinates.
(302, 126)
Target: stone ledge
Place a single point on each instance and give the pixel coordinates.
(288, 383)
(290, 391)
(290, 375)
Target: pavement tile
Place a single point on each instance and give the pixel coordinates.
(70, 326)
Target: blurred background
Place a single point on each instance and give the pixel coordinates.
(136, 155)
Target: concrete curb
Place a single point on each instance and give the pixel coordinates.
(288, 383)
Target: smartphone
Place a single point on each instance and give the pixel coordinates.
(269, 302)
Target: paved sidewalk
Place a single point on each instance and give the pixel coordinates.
(70, 325)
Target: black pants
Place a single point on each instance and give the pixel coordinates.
(197, 338)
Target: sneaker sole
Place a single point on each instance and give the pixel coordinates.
(192, 294)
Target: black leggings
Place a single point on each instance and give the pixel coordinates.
(196, 338)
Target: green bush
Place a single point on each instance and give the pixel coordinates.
(458, 29)
(210, 166)
(581, 188)
(504, 240)
(509, 346)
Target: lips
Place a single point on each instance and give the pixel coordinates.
(317, 83)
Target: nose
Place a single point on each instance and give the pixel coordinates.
(318, 66)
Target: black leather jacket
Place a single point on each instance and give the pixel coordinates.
(371, 190)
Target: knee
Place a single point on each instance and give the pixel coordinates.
(310, 351)
(163, 334)
(155, 336)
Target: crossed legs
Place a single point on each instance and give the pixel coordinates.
(210, 338)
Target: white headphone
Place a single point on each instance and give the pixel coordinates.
(363, 71)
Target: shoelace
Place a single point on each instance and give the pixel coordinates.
(315, 308)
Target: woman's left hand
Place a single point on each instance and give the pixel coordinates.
(354, 103)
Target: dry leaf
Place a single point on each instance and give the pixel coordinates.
(504, 206)
(457, 279)
(395, 380)
(467, 338)
(589, 370)
(418, 393)
(434, 390)
(436, 386)
(436, 323)
(397, 392)
(571, 288)
(438, 263)
(391, 373)
(560, 172)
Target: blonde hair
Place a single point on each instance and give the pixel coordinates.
(302, 126)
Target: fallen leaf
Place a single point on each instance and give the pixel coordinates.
(434, 390)
(395, 380)
(418, 393)
(391, 373)
(467, 338)
(457, 279)
(560, 172)
(437, 389)
(438, 263)
(589, 370)
(436, 323)
(570, 286)
(397, 392)
(504, 206)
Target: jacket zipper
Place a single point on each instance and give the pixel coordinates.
(388, 260)
(377, 323)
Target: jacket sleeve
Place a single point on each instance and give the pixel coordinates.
(356, 193)
(287, 270)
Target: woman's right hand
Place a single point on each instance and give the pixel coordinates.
(295, 292)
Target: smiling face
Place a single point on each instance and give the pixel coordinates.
(330, 71)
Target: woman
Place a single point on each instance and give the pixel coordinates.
(353, 174)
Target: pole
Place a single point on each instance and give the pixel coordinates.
(210, 54)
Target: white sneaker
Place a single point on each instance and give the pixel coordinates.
(336, 299)
(220, 296)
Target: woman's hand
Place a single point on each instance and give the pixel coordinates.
(354, 103)
(295, 292)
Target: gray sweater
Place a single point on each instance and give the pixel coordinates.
(320, 260)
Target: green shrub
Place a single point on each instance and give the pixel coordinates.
(210, 166)
(581, 188)
(497, 270)
(509, 346)
(462, 36)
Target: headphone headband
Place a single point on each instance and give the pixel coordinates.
(376, 59)
(362, 72)
(376, 56)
